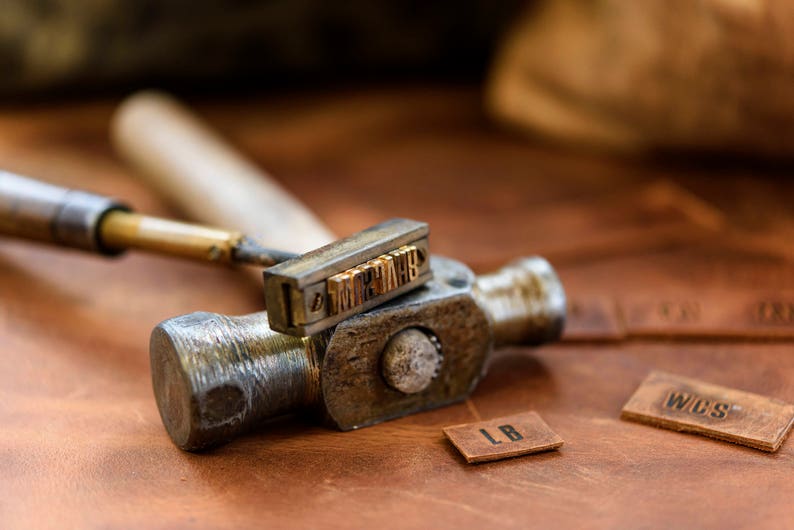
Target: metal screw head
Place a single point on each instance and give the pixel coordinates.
(411, 360)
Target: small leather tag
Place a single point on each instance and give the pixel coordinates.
(505, 437)
(734, 313)
(688, 405)
(592, 318)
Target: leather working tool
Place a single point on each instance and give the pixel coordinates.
(44, 212)
(393, 255)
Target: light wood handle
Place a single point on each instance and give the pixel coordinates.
(190, 165)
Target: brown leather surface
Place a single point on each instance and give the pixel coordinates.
(82, 445)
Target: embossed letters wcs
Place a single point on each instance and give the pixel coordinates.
(696, 405)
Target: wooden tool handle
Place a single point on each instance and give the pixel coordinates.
(194, 168)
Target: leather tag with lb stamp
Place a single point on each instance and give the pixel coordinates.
(688, 405)
(515, 435)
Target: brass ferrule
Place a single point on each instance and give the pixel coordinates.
(124, 230)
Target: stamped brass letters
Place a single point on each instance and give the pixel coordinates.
(378, 276)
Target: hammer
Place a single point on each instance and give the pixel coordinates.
(217, 376)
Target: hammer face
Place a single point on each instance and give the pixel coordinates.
(317, 290)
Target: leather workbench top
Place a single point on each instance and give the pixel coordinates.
(667, 266)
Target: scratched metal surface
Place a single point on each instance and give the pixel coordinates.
(82, 444)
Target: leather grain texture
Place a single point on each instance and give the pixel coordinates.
(82, 444)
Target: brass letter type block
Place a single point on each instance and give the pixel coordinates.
(519, 434)
(688, 405)
(317, 290)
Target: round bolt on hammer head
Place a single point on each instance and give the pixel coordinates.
(411, 360)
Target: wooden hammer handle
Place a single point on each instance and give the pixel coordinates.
(185, 161)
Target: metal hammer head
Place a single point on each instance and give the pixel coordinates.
(216, 376)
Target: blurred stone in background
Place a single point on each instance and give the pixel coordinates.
(639, 75)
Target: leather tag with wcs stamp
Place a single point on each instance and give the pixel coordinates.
(688, 405)
(506, 437)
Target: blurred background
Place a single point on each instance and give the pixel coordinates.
(242, 44)
(709, 76)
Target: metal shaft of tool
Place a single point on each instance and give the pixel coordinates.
(38, 211)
